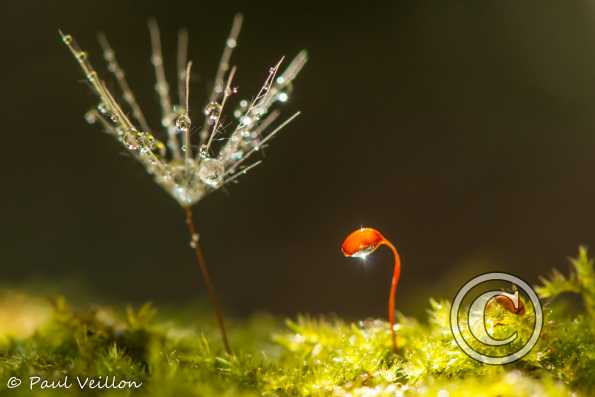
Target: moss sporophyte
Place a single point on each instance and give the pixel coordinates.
(192, 163)
(363, 242)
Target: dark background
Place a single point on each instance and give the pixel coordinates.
(463, 130)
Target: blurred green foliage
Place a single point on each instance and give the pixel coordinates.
(175, 356)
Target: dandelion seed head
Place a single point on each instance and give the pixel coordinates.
(188, 175)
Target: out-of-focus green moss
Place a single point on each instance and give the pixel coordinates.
(174, 356)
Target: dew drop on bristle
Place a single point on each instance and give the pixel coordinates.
(212, 111)
(102, 108)
(211, 172)
(203, 152)
(194, 240)
(183, 122)
(90, 117)
(282, 97)
(129, 142)
(247, 121)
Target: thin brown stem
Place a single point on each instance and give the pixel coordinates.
(200, 260)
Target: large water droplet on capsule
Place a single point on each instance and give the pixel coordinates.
(211, 172)
(362, 242)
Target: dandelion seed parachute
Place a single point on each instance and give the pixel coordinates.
(189, 175)
(361, 243)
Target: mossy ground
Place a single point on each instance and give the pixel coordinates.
(176, 354)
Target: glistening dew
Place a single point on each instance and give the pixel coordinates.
(188, 175)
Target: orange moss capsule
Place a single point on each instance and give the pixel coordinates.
(361, 243)
(507, 303)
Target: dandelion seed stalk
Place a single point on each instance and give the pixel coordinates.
(168, 155)
(202, 264)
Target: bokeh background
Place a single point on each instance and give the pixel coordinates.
(463, 130)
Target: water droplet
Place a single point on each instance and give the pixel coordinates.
(102, 108)
(213, 111)
(237, 155)
(219, 87)
(259, 111)
(203, 151)
(146, 141)
(194, 240)
(129, 142)
(183, 122)
(282, 97)
(247, 121)
(211, 172)
(232, 43)
(81, 56)
(67, 39)
(91, 117)
(244, 103)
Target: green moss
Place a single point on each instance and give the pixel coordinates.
(175, 356)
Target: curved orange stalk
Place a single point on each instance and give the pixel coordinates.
(362, 243)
